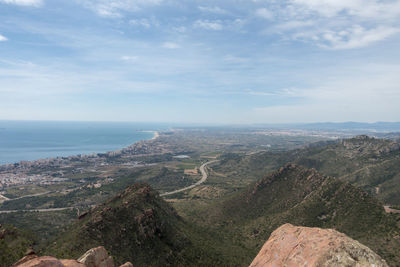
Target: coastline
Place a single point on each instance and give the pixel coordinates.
(23, 172)
(156, 134)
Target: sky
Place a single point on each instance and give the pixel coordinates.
(224, 62)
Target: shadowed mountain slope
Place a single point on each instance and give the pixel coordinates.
(13, 244)
(137, 226)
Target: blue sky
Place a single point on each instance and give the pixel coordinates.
(237, 61)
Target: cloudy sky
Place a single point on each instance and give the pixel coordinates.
(228, 61)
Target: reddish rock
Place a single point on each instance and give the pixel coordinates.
(97, 257)
(127, 264)
(72, 263)
(35, 261)
(303, 246)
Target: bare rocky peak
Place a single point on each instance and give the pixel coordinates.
(364, 144)
(292, 171)
(95, 257)
(303, 246)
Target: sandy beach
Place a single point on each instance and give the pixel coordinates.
(156, 135)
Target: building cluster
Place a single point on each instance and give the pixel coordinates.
(54, 170)
(15, 179)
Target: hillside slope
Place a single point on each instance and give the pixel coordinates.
(370, 163)
(301, 196)
(137, 226)
(13, 244)
(373, 164)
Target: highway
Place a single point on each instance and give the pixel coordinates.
(202, 180)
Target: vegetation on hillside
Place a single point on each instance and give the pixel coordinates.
(304, 197)
(138, 226)
(226, 220)
(13, 244)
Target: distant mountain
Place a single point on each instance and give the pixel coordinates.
(302, 196)
(377, 126)
(137, 226)
(371, 163)
(349, 126)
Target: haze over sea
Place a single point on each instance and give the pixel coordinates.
(32, 140)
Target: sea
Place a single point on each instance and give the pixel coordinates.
(32, 140)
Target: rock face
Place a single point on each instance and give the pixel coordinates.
(303, 246)
(95, 257)
(35, 261)
(364, 145)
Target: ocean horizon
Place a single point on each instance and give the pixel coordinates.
(34, 140)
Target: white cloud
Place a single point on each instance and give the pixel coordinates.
(116, 8)
(235, 59)
(129, 58)
(330, 8)
(170, 45)
(3, 38)
(214, 9)
(145, 23)
(35, 3)
(180, 29)
(357, 36)
(258, 93)
(264, 13)
(293, 24)
(372, 9)
(368, 94)
(352, 37)
(335, 24)
(208, 25)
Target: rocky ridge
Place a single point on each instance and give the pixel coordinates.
(136, 225)
(95, 257)
(364, 145)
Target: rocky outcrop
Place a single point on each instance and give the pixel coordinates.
(364, 145)
(135, 225)
(35, 261)
(303, 246)
(95, 257)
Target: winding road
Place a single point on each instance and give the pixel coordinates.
(202, 180)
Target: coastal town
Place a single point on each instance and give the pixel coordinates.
(57, 170)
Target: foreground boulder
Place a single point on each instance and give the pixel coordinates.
(303, 246)
(95, 257)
